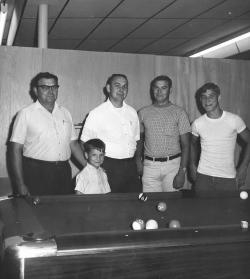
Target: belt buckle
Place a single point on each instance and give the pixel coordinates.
(167, 158)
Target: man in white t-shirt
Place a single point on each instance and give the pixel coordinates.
(217, 130)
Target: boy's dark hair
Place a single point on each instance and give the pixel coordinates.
(94, 144)
(210, 86)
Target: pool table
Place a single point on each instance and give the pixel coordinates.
(91, 236)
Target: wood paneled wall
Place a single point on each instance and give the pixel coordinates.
(82, 76)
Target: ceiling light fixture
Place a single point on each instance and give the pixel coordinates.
(3, 16)
(226, 48)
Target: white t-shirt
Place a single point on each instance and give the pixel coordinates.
(218, 139)
(92, 180)
(44, 135)
(118, 128)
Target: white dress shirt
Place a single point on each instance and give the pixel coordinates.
(44, 135)
(118, 128)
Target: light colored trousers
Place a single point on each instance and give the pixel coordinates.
(159, 176)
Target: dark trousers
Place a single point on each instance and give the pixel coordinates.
(47, 178)
(211, 185)
(122, 175)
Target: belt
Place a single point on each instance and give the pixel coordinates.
(51, 163)
(120, 160)
(162, 159)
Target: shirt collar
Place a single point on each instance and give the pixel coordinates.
(38, 105)
(112, 106)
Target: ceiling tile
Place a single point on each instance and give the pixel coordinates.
(140, 8)
(156, 28)
(194, 28)
(130, 45)
(73, 28)
(115, 28)
(62, 44)
(211, 38)
(228, 9)
(97, 45)
(187, 8)
(32, 6)
(162, 45)
(89, 8)
(26, 32)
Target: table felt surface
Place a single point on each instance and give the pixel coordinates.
(62, 215)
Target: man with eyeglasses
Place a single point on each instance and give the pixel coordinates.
(117, 125)
(217, 131)
(42, 141)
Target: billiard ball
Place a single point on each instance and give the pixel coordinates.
(36, 200)
(138, 224)
(161, 206)
(244, 224)
(142, 197)
(174, 224)
(151, 224)
(243, 195)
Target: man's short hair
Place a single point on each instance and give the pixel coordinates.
(210, 86)
(45, 75)
(162, 77)
(113, 76)
(94, 144)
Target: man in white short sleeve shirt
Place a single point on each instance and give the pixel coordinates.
(42, 141)
(117, 125)
(217, 130)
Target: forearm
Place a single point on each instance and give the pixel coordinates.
(77, 152)
(193, 158)
(185, 149)
(139, 149)
(17, 166)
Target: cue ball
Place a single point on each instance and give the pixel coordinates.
(244, 224)
(243, 195)
(151, 225)
(161, 206)
(174, 224)
(138, 224)
(142, 197)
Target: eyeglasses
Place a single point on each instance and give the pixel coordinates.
(48, 87)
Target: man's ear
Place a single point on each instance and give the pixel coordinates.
(108, 88)
(86, 155)
(34, 89)
(219, 97)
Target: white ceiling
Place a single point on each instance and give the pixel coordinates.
(161, 27)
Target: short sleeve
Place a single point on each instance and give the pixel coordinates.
(20, 128)
(82, 181)
(73, 131)
(90, 128)
(194, 129)
(137, 128)
(239, 124)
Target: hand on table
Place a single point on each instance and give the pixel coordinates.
(23, 190)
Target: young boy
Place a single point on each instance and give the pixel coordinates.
(93, 179)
